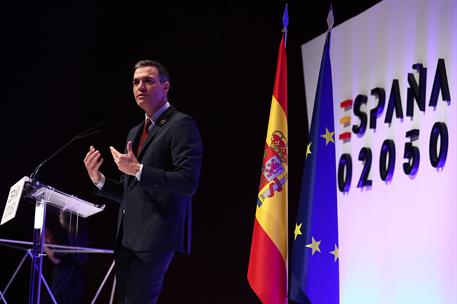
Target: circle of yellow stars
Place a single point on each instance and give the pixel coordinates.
(314, 245)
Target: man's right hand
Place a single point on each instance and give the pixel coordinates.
(93, 161)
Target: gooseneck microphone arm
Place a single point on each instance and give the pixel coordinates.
(89, 132)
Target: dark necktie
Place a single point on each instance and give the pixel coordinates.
(144, 135)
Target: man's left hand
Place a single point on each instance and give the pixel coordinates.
(127, 163)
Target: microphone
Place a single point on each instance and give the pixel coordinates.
(89, 132)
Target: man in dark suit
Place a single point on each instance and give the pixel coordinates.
(160, 171)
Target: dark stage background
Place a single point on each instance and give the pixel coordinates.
(67, 65)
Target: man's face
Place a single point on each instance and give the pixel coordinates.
(150, 94)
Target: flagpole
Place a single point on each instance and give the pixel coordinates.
(285, 23)
(268, 260)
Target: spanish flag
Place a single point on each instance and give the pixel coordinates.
(267, 272)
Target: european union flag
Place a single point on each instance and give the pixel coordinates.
(314, 260)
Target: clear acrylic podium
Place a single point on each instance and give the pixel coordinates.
(44, 195)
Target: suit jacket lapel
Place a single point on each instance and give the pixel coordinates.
(135, 138)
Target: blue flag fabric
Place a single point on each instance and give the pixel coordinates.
(314, 261)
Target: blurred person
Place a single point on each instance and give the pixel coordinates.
(68, 283)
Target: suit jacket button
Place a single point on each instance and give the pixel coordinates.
(123, 211)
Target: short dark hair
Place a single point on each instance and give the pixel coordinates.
(163, 71)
